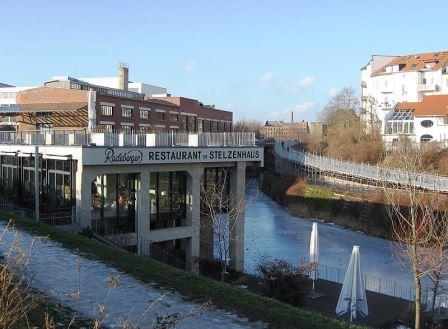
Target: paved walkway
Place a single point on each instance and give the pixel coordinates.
(54, 272)
(382, 308)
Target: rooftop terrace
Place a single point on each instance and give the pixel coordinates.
(165, 139)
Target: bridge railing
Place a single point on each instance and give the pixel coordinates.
(363, 171)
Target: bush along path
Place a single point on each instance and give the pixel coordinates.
(139, 283)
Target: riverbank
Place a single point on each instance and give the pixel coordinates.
(301, 199)
(223, 295)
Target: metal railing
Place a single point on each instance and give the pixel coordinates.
(385, 286)
(53, 218)
(150, 249)
(161, 139)
(368, 173)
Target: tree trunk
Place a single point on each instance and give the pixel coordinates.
(433, 302)
(418, 292)
(223, 271)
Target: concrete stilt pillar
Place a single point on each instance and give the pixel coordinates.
(194, 217)
(84, 178)
(237, 188)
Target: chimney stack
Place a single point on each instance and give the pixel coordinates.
(292, 116)
(123, 76)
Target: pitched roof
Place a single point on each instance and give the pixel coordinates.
(433, 105)
(417, 62)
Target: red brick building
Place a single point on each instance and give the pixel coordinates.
(62, 104)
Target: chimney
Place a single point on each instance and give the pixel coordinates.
(292, 116)
(123, 76)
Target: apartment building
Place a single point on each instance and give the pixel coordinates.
(388, 80)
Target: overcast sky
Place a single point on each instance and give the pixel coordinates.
(260, 59)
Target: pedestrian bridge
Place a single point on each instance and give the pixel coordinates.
(290, 160)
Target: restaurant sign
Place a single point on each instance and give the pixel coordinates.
(131, 156)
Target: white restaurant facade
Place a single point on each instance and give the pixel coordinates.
(139, 195)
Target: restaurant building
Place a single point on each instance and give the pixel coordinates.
(141, 194)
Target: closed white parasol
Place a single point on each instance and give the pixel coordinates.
(91, 111)
(353, 295)
(314, 253)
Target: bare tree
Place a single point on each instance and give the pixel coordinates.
(222, 209)
(16, 296)
(248, 126)
(346, 135)
(419, 222)
(369, 115)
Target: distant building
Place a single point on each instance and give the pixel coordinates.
(280, 130)
(388, 80)
(8, 94)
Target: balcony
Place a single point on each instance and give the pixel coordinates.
(427, 87)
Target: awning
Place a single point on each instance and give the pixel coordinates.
(44, 107)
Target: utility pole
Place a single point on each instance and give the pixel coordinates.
(36, 183)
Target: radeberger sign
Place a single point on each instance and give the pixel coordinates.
(131, 156)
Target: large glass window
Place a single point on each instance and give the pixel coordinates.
(113, 203)
(167, 197)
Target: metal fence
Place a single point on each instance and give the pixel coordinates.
(366, 172)
(161, 139)
(56, 218)
(150, 249)
(385, 286)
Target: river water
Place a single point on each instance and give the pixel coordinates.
(270, 230)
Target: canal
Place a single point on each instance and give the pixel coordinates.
(270, 230)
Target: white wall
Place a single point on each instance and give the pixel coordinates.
(8, 95)
(439, 130)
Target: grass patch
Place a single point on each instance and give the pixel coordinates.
(223, 295)
(317, 192)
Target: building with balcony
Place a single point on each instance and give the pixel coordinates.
(142, 193)
(388, 80)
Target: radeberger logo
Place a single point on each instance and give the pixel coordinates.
(131, 156)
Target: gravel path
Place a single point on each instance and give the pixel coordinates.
(54, 272)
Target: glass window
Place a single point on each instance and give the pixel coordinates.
(174, 117)
(107, 110)
(113, 203)
(144, 114)
(106, 127)
(160, 116)
(167, 197)
(183, 123)
(126, 112)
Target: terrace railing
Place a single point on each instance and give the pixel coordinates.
(161, 139)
